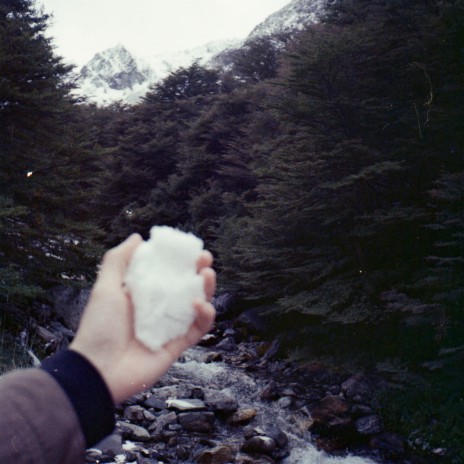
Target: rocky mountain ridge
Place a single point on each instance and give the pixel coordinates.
(117, 74)
(291, 18)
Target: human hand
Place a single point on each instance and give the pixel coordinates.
(106, 331)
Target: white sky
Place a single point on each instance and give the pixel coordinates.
(82, 28)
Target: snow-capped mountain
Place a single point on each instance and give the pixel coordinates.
(116, 74)
(291, 18)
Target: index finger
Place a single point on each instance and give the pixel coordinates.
(116, 261)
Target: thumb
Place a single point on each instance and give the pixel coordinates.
(115, 261)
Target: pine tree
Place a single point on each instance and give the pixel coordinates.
(46, 160)
(343, 194)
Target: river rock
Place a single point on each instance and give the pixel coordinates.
(212, 356)
(330, 413)
(269, 392)
(111, 445)
(197, 421)
(139, 398)
(242, 416)
(285, 402)
(246, 459)
(357, 388)
(197, 393)
(133, 432)
(163, 421)
(230, 332)
(172, 391)
(69, 303)
(272, 351)
(228, 344)
(220, 401)
(369, 425)
(93, 456)
(224, 305)
(259, 445)
(253, 321)
(155, 403)
(277, 435)
(218, 455)
(208, 340)
(134, 413)
(273, 432)
(186, 404)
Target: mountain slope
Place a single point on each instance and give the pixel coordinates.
(116, 74)
(291, 18)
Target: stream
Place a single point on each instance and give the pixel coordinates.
(160, 436)
(245, 388)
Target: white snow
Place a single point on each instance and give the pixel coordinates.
(96, 75)
(292, 17)
(163, 283)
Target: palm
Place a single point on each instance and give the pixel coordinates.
(106, 333)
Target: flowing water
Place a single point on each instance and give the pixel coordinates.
(245, 388)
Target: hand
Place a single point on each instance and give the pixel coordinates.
(106, 331)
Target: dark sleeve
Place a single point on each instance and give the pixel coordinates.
(38, 423)
(86, 391)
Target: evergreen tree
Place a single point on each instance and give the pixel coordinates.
(257, 60)
(46, 160)
(193, 81)
(342, 196)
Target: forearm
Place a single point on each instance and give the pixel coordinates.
(50, 415)
(38, 424)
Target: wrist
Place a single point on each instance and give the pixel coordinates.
(87, 392)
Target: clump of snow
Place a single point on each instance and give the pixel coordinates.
(163, 282)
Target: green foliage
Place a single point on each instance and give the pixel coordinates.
(256, 61)
(47, 163)
(428, 409)
(327, 181)
(185, 83)
(343, 194)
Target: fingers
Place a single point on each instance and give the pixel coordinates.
(203, 323)
(209, 277)
(205, 260)
(205, 317)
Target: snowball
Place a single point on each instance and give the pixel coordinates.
(163, 282)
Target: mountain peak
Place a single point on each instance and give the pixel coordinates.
(293, 17)
(116, 74)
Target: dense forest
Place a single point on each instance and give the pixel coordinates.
(326, 176)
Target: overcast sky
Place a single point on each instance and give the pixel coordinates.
(83, 27)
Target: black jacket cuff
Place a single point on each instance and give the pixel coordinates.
(87, 392)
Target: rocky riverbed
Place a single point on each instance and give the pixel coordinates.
(231, 400)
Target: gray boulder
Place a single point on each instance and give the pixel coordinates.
(197, 421)
(69, 304)
(259, 445)
(220, 401)
(133, 432)
(218, 455)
